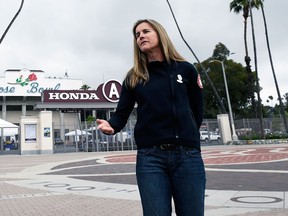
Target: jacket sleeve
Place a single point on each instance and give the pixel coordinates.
(196, 97)
(124, 107)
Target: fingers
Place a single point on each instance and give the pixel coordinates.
(104, 126)
(99, 121)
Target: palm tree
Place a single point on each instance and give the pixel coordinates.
(246, 6)
(286, 101)
(243, 6)
(259, 102)
(85, 87)
(272, 67)
(238, 6)
(10, 24)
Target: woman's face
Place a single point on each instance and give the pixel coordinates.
(146, 38)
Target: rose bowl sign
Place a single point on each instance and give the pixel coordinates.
(106, 92)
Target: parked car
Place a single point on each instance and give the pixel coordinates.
(58, 141)
(209, 136)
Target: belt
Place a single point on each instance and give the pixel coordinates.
(167, 147)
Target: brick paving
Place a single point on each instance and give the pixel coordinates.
(262, 168)
(29, 202)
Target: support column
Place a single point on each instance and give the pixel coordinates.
(94, 113)
(4, 114)
(4, 111)
(62, 126)
(23, 109)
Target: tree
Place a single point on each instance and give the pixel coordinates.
(272, 67)
(85, 87)
(243, 6)
(90, 119)
(220, 52)
(12, 21)
(237, 79)
(259, 102)
(246, 6)
(286, 99)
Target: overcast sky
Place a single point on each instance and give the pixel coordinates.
(92, 39)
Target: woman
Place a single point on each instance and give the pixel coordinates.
(168, 93)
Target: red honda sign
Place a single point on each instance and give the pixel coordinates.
(107, 92)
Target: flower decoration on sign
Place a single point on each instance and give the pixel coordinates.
(24, 82)
(32, 77)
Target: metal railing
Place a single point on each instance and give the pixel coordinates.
(93, 140)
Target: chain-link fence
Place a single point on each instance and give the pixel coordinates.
(86, 137)
(250, 128)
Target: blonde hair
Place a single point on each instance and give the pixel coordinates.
(139, 72)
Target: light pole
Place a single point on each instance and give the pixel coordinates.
(234, 135)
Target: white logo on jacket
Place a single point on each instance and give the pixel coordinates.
(179, 78)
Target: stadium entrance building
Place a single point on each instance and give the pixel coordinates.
(25, 93)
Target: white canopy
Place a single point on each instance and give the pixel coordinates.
(92, 129)
(78, 133)
(6, 124)
(9, 131)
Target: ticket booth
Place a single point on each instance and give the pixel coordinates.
(36, 134)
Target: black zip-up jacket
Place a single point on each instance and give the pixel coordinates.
(169, 106)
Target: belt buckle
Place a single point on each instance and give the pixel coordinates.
(167, 147)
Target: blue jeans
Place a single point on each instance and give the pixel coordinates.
(166, 174)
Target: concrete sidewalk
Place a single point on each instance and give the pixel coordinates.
(103, 183)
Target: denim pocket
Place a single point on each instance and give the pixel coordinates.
(193, 152)
(144, 151)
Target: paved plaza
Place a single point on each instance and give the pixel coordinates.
(242, 180)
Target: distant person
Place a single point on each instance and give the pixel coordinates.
(12, 144)
(168, 93)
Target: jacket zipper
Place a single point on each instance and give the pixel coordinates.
(173, 101)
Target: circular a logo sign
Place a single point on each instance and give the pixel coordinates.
(111, 90)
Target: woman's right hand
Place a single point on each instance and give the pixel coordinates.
(104, 126)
